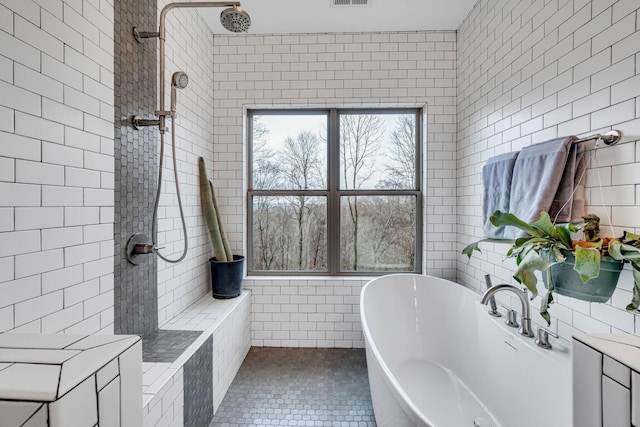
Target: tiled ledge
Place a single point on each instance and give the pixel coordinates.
(58, 380)
(214, 318)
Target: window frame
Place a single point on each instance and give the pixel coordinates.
(333, 193)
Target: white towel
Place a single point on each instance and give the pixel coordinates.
(496, 177)
(541, 179)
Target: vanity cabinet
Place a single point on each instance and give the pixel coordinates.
(606, 380)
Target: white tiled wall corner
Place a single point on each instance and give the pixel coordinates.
(578, 61)
(334, 70)
(180, 285)
(57, 81)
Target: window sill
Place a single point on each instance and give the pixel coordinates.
(259, 278)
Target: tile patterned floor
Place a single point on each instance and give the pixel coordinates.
(299, 387)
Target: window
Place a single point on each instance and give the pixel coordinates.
(334, 191)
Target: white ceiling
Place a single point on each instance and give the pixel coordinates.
(320, 16)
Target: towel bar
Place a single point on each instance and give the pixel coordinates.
(610, 138)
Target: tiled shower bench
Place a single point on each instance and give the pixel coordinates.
(190, 364)
(58, 380)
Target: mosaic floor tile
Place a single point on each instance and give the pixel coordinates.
(299, 387)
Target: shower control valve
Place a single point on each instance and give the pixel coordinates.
(143, 248)
(138, 245)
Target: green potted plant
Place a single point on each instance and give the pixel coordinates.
(226, 269)
(549, 248)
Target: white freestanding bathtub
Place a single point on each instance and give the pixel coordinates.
(436, 358)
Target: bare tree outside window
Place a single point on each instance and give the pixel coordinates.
(266, 173)
(401, 169)
(302, 168)
(360, 139)
(375, 196)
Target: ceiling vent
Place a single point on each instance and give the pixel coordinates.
(349, 2)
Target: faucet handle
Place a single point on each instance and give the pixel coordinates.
(512, 316)
(542, 339)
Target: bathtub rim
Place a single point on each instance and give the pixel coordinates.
(404, 400)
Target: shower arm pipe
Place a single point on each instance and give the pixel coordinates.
(162, 33)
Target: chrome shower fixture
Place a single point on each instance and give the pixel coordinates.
(179, 80)
(235, 19)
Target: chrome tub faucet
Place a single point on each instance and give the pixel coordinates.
(525, 323)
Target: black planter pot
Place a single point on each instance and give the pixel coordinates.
(226, 277)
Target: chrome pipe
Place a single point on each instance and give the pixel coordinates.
(162, 32)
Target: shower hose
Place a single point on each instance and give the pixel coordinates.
(157, 202)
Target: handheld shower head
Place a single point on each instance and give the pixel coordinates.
(235, 19)
(179, 80)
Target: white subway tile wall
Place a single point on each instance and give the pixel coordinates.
(578, 61)
(56, 157)
(188, 48)
(516, 73)
(333, 70)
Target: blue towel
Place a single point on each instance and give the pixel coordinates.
(544, 178)
(496, 177)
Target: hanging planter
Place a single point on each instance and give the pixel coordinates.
(566, 280)
(584, 269)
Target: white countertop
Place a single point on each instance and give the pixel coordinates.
(625, 348)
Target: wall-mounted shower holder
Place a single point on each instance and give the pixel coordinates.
(140, 35)
(138, 123)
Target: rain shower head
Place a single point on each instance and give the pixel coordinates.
(235, 19)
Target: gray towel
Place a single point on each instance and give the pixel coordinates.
(544, 177)
(568, 203)
(496, 177)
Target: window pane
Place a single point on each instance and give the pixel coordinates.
(377, 151)
(289, 233)
(289, 152)
(377, 233)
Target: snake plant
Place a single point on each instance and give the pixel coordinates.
(219, 241)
